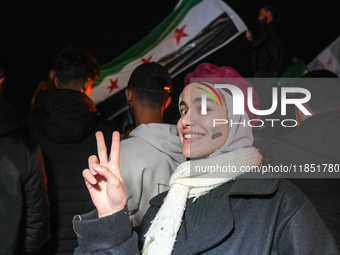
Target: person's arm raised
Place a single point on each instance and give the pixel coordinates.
(103, 178)
(111, 233)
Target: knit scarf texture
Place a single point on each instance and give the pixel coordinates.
(184, 184)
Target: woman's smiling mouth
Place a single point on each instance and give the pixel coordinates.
(193, 136)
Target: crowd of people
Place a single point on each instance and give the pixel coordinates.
(71, 185)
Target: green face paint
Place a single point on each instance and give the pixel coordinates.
(216, 132)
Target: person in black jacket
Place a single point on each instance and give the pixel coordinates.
(24, 225)
(266, 46)
(64, 123)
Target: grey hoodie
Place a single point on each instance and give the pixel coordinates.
(148, 157)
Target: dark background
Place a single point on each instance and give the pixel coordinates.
(32, 32)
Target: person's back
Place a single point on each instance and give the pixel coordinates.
(64, 123)
(152, 151)
(23, 199)
(148, 157)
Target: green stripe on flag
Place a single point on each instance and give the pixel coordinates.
(148, 42)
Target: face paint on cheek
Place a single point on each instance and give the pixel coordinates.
(216, 132)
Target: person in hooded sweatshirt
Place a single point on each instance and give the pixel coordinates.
(152, 150)
(64, 123)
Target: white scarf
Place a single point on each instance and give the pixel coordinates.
(162, 233)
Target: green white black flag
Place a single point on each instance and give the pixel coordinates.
(195, 29)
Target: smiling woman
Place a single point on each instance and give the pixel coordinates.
(203, 213)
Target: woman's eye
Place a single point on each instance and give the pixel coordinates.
(183, 111)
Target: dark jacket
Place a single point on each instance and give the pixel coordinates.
(266, 49)
(255, 216)
(315, 141)
(23, 199)
(64, 123)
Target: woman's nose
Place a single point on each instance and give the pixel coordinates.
(188, 119)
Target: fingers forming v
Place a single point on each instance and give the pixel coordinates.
(113, 164)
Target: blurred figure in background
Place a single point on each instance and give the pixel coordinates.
(266, 47)
(64, 123)
(44, 85)
(296, 69)
(23, 196)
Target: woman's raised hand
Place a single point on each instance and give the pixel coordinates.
(103, 178)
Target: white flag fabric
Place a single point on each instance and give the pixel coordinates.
(328, 59)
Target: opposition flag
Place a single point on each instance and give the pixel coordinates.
(195, 29)
(328, 59)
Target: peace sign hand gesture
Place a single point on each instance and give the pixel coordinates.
(103, 178)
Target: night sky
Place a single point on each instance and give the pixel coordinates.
(32, 32)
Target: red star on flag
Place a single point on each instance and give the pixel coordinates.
(146, 60)
(113, 85)
(329, 62)
(179, 33)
